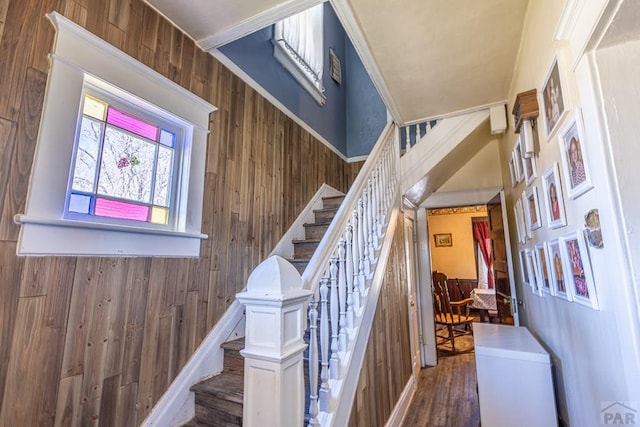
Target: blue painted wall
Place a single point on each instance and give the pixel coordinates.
(366, 113)
(340, 119)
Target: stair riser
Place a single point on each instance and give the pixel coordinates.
(324, 216)
(304, 249)
(300, 266)
(315, 231)
(218, 404)
(332, 202)
(215, 418)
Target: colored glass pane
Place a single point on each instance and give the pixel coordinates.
(79, 203)
(167, 138)
(122, 210)
(163, 176)
(84, 172)
(127, 166)
(132, 124)
(94, 107)
(159, 215)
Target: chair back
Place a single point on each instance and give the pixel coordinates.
(441, 301)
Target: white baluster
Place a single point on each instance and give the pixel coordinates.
(349, 273)
(407, 135)
(334, 363)
(313, 362)
(342, 295)
(371, 248)
(355, 257)
(418, 133)
(380, 209)
(324, 393)
(365, 232)
(361, 246)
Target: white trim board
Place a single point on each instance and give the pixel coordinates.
(402, 405)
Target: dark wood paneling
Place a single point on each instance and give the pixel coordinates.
(387, 364)
(96, 341)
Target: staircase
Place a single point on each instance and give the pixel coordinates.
(219, 399)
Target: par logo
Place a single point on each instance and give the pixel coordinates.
(619, 413)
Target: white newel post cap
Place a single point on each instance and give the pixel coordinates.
(275, 315)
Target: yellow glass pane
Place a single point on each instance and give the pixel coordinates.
(94, 107)
(159, 215)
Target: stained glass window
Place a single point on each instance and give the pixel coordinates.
(123, 165)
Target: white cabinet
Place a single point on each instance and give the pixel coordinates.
(515, 386)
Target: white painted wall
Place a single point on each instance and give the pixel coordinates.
(479, 172)
(595, 353)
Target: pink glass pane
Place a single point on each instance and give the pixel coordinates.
(122, 210)
(130, 123)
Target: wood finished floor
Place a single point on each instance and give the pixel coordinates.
(446, 394)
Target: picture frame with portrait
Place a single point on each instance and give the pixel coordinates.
(575, 165)
(553, 99)
(524, 272)
(512, 171)
(544, 279)
(554, 200)
(556, 270)
(532, 209)
(576, 266)
(520, 221)
(529, 169)
(517, 158)
(525, 217)
(532, 271)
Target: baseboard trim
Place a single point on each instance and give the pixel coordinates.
(401, 408)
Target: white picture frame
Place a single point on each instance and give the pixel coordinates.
(556, 270)
(543, 276)
(554, 106)
(553, 197)
(575, 165)
(576, 266)
(532, 208)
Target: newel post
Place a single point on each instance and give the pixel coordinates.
(274, 345)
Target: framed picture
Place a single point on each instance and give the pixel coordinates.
(577, 269)
(532, 209)
(519, 220)
(443, 239)
(544, 277)
(574, 159)
(554, 261)
(525, 215)
(530, 257)
(528, 168)
(517, 154)
(553, 105)
(523, 266)
(554, 201)
(512, 171)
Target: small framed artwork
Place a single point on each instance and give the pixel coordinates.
(512, 171)
(574, 159)
(519, 220)
(532, 271)
(529, 169)
(533, 209)
(554, 202)
(525, 215)
(335, 69)
(443, 239)
(523, 266)
(543, 268)
(553, 105)
(554, 261)
(517, 154)
(577, 269)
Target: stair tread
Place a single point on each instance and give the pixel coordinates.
(316, 224)
(225, 386)
(329, 209)
(237, 344)
(305, 241)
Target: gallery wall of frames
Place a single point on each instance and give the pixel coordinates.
(559, 267)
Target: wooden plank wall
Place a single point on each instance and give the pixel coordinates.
(387, 364)
(96, 341)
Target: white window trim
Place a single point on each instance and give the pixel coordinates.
(44, 231)
(283, 54)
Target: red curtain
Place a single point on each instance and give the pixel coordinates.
(482, 236)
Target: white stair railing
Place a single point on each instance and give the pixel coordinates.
(412, 133)
(340, 271)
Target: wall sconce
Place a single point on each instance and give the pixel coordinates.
(525, 112)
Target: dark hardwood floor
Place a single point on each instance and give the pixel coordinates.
(446, 394)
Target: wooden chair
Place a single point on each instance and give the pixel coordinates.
(449, 313)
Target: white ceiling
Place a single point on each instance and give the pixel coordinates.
(428, 58)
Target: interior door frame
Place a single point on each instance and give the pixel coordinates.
(408, 221)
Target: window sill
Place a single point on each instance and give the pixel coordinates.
(52, 236)
(281, 54)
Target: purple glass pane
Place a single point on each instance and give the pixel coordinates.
(79, 203)
(132, 124)
(167, 138)
(122, 210)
